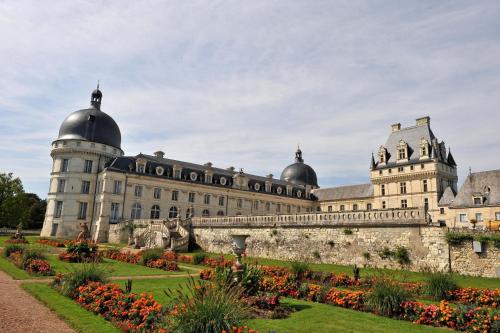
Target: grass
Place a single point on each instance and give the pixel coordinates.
(77, 317)
(400, 275)
(156, 286)
(31, 239)
(12, 270)
(316, 317)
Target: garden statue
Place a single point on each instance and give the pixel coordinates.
(19, 232)
(239, 247)
(84, 235)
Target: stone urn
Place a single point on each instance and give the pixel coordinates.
(239, 247)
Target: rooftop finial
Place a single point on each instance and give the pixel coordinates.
(97, 84)
(298, 156)
(96, 97)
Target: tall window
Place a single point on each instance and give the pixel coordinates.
(425, 185)
(401, 153)
(157, 193)
(82, 210)
(256, 205)
(191, 196)
(206, 199)
(462, 217)
(239, 203)
(85, 186)
(189, 212)
(155, 212)
(221, 201)
(175, 196)
(205, 213)
(383, 205)
(58, 209)
(342, 208)
(479, 217)
(369, 206)
(138, 191)
(136, 211)
(402, 188)
(117, 188)
(177, 174)
(220, 213)
(172, 213)
(497, 216)
(355, 207)
(404, 203)
(426, 204)
(61, 184)
(115, 212)
(87, 167)
(382, 189)
(64, 165)
(278, 208)
(441, 210)
(330, 208)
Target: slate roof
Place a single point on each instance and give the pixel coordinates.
(485, 184)
(447, 198)
(122, 164)
(412, 136)
(344, 192)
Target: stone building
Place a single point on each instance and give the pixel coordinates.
(477, 201)
(412, 169)
(93, 182)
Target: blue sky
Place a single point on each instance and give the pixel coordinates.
(241, 83)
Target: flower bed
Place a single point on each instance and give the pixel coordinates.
(131, 258)
(477, 296)
(53, 243)
(164, 264)
(16, 241)
(35, 266)
(129, 312)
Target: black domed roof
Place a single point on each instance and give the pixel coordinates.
(300, 173)
(91, 125)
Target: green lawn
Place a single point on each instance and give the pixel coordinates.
(77, 317)
(31, 239)
(316, 317)
(401, 275)
(309, 316)
(11, 269)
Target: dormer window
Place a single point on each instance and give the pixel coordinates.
(382, 155)
(402, 151)
(268, 187)
(478, 201)
(424, 148)
(140, 165)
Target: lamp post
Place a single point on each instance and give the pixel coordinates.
(239, 247)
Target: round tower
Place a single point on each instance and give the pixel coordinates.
(87, 139)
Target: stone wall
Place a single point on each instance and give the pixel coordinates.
(426, 245)
(466, 261)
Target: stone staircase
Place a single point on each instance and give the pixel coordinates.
(168, 234)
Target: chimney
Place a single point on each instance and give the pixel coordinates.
(395, 127)
(159, 154)
(423, 121)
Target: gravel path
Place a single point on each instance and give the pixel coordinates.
(21, 313)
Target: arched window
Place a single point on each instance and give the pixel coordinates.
(155, 212)
(172, 213)
(189, 212)
(136, 211)
(205, 213)
(220, 213)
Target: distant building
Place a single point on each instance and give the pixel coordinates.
(477, 203)
(412, 169)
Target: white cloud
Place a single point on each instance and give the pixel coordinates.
(241, 83)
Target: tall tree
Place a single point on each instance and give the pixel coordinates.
(14, 203)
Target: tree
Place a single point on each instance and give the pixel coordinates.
(37, 210)
(14, 203)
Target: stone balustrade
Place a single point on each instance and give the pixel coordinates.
(384, 217)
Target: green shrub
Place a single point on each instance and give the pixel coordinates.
(274, 232)
(316, 254)
(250, 279)
(386, 298)
(402, 255)
(366, 255)
(30, 254)
(198, 258)
(439, 284)
(206, 308)
(13, 248)
(299, 269)
(457, 238)
(496, 241)
(347, 231)
(331, 243)
(356, 272)
(151, 254)
(81, 275)
(386, 253)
